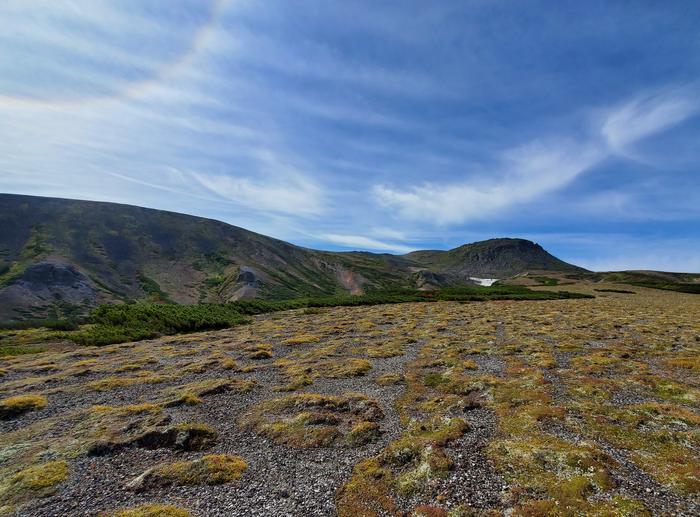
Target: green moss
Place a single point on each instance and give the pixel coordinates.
(228, 364)
(33, 482)
(294, 420)
(189, 393)
(190, 400)
(300, 382)
(209, 470)
(10, 351)
(192, 437)
(422, 448)
(260, 354)
(313, 365)
(434, 380)
(364, 432)
(263, 351)
(385, 350)
(369, 491)
(152, 511)
(572, 495)
(631, 507)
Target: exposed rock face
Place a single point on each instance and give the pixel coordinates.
(50, 274)
(47, 282)
(351, 281)
(52, 281)
(427, 280)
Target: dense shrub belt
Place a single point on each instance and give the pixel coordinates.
(122, 323)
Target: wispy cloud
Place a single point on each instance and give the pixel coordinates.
(81, 51)
(526, 173)
(648, 115)
(389, 233)
(358, 125)
(358, 242)
(291, 193)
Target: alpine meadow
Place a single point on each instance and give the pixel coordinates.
(387, 258)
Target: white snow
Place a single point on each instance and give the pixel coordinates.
(486, 282)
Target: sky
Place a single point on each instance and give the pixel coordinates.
(385, 126)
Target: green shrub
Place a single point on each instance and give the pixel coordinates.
(122, 323)
(6, 351)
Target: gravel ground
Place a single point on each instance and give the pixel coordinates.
(279, 481)
(633, 481)
(282, 481)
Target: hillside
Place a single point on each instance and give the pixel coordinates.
(59, 257)
(497, 258)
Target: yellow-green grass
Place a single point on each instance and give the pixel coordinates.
(13, 406)
(32, 482)
(152, 511)
(214, 469)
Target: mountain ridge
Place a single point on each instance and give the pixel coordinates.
(70, 252)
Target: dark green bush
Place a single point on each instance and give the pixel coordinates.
(19, 350)
(120, 323)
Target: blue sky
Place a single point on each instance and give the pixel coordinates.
(373, 125)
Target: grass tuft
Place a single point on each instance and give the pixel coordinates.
(15, 406)
(33, 482)
(152, 511)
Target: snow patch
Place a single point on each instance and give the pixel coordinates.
(486, 282)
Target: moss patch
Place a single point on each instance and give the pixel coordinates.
(310, 421)
(33, 482)
(15, 406)
(152, 511)
(209, 470)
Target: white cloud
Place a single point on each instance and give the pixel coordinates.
(287, 192)
(526, 173)
(359, 242)
(644, 117)
(80, 50)
(389, 233)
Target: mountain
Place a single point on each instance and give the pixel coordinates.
(499, 258)
(61, 256)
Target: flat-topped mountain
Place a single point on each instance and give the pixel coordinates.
(499, 258)
(56, 254)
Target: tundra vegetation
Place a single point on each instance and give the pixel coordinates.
(565, 405)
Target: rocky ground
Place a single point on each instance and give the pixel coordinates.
(568, 407)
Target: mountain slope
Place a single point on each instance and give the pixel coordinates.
(59, 254)
(497, 258)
